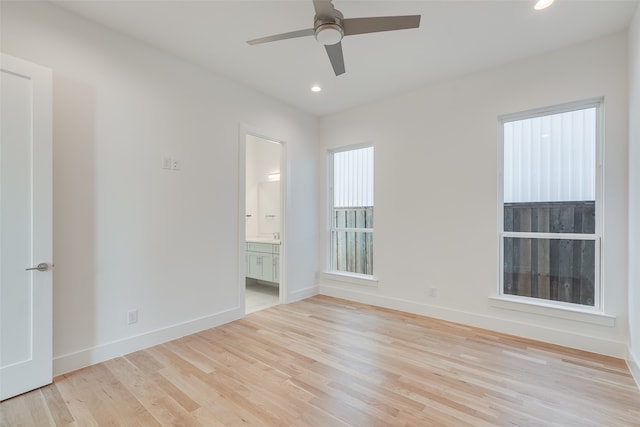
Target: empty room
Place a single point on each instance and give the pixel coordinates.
(320, 213)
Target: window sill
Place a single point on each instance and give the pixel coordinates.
(350, 278)
(543, 309)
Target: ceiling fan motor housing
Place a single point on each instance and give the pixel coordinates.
(328, 29)
(329, 34)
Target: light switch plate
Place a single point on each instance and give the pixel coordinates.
(132, 317)
(166, 163)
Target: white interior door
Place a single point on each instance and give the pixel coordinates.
(25, 226)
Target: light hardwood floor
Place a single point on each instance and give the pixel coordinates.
(329, 362)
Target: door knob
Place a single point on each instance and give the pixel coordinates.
(43, 266)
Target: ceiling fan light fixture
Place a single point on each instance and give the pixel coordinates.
(543, 4)
(329, 34)
(330, 26)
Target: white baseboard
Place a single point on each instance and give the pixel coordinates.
(538, 333)
(301, 294)
(634, 366)
(90, 356)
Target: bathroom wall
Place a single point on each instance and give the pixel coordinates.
(263, 159)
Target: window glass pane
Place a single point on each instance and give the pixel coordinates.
(353, 178)
(552, 269)
(551, 217)
(352, 211)
(551, 158)
(550, 177)
(352, 251)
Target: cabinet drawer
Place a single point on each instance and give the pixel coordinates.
(262, 247)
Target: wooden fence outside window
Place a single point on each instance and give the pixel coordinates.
(558, 269)
(353, 240)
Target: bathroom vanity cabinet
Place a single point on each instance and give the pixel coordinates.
(263, 261)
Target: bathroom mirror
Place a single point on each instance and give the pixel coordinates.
(269, 207)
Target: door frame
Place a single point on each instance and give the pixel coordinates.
(244, 131)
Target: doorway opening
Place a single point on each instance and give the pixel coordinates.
(263, 223)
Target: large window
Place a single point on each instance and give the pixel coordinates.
(550, 237)
(351, 227)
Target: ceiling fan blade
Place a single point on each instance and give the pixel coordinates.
(381, 23)
(324, 8)
(335, 56)
(283, 36)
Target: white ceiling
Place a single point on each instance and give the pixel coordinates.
(455, 37)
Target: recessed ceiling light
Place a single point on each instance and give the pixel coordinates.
(543, 4)
(316, 88)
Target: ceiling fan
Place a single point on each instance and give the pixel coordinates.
(330, 26)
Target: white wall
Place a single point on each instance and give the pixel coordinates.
(634, 195)
(128, 234)
(436, 210)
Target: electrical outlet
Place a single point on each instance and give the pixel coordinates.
(433, 292)
(175, 164)
(132, 317)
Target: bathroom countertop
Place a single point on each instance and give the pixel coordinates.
(263, 240)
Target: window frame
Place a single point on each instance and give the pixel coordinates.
(597, 236)
(331, 228)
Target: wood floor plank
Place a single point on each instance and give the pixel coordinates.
(60, 414)
(150, 394)
(330, 362)
(108, 401)
(29, 409)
